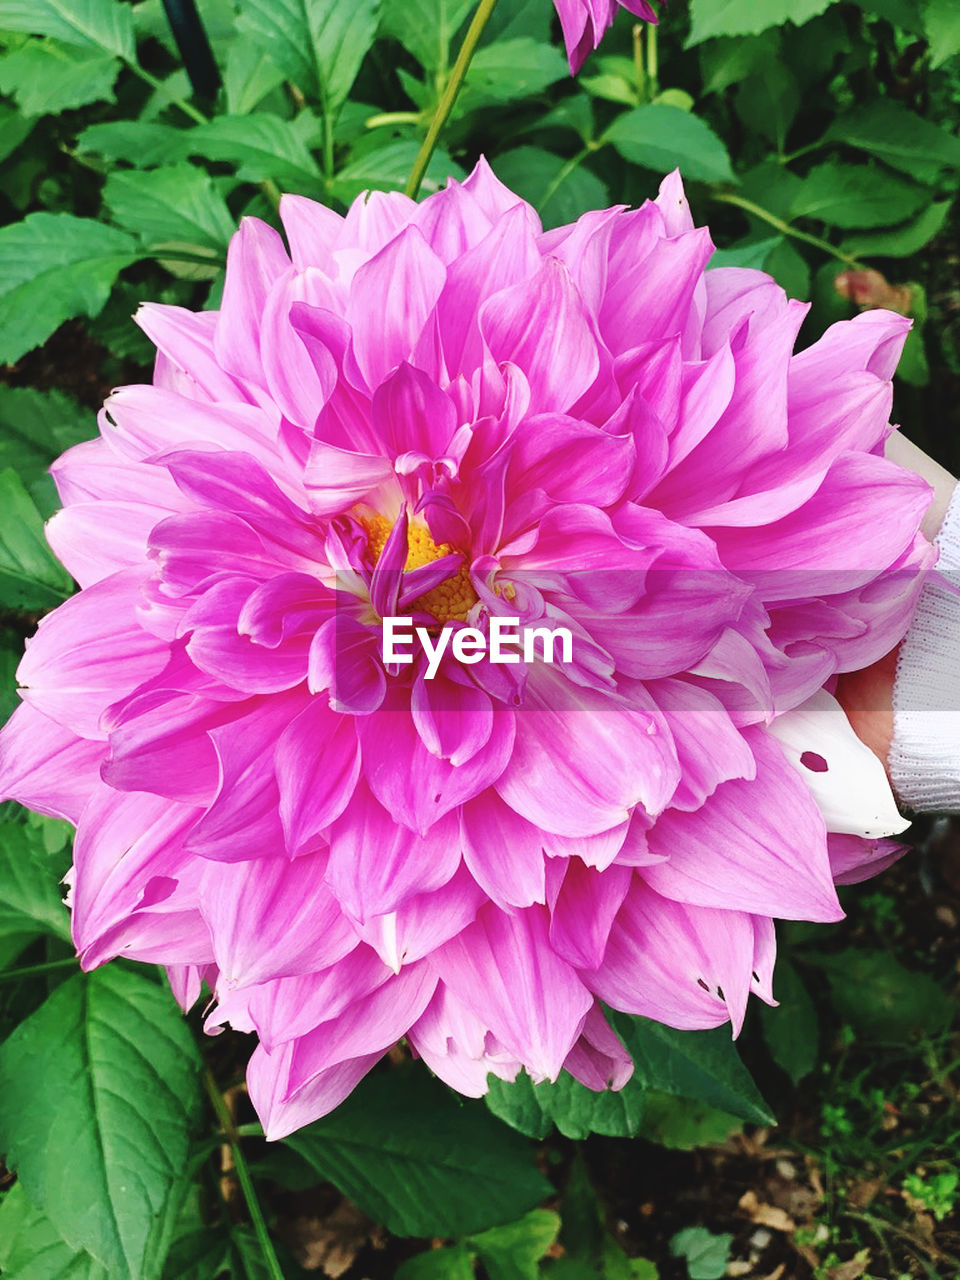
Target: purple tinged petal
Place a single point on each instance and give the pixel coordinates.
(854, 859)
(267, 1075)
(256, 259)
(47, 767)
(598, 1059)
(583, 912)
(503, 852)
(503, 969)
(312, 230)
(317, 765)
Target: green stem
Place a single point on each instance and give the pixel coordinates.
(653, 67)
(186, 107)
(452, 88)
(184, 255)
(638, 72)
(785, 228)
(393, 117)
(328, 154)
(243, 1176)
(30, 970)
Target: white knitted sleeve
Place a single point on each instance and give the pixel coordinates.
(924, 760)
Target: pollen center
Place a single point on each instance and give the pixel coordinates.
(450, 600)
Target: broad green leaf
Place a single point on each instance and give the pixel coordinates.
(248, 76)
(512, 69)
(261, 146)
(35, 428)
(560, 192)
(575, 1110)
(663, 138)
(746, 17)
(30, 577)
(682, 1124)
(512, 18)
(387, 169)
(30, 894)
(848, 195)
(11, 651)
(880, 998)
(902, 13)
(453, 1263)
(789, 268)
(730, 59)
(99, 1093)
(425, 28)
(587, 1248)
(899, 137)
(46, 76)
(175, 203)
(31, 1248)
(768, 101)
(914, 367)
(423, 1162)
(92, 24)
(512, 1252)
(14, 127)
(54, 266)
(703, 1065)
(317, 44)
(706, 1255)
(617, 1266)
(791, 1030)
(941, 19)
(198, 1255)
(139, 142)
(902, 241)
(754, 254)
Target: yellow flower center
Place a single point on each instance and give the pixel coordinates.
(452, 599)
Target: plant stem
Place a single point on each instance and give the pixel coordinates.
(640, 76)
(186, 107)
(653, 67)
(393, 117)
(243, 1176)
(452, 88)
(785, 228)
(30, 970)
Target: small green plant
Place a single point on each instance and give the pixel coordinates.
(937, 1193)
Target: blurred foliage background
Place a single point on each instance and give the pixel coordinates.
(820, 142)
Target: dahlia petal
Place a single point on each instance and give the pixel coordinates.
(318, 764)
(756, 845)
(415, 413)
(847, 780)
(598, 1059)
(186, 340)
(542, 326)
(503, 969)
(256, 259)
(337, 478)
(710, 749)
(423, 922)
(137, 423)
(280, 1115)
(456, 1046)
(854, 859)
(312, 230)
(344, 660)
(45, 766)
(503, 852)
(88, 653)
(584, 910)
(283, 922)
(216, 645)
(408, 273)
(96, 539)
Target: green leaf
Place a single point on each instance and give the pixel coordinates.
(92, 24)
(754, 254)
(198, 1255)
(902, 241)
(617, 1266)
(682, 1124)
(14, 127)
(317, 44)
(453, 1263)
(914, 367)
(730, 59)
(30, 577)
(703, 1065)
(559, 193)
(512, 69)
(941, 20)
(746, 17)
(261, 146)
(421, 1161)
(898, 137)
(175, 203)
(35, 428)
(512, 18)
(791, 1030)
(30, 897)
(706, 1254)
(45, 76)
(248, 76)
(789, 269)
(768, 101)
(880, 998)
(902, 13)
(512, 1252)
(575, 1110)
(846, 195)
(661, 138)
(138, 142)
(54, 266)
(425, 28)
(387, 168)
(31, 1248)
(99, 1093)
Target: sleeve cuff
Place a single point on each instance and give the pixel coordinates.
(924, 759)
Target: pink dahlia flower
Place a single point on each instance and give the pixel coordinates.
(440, 412)
(585, 21)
